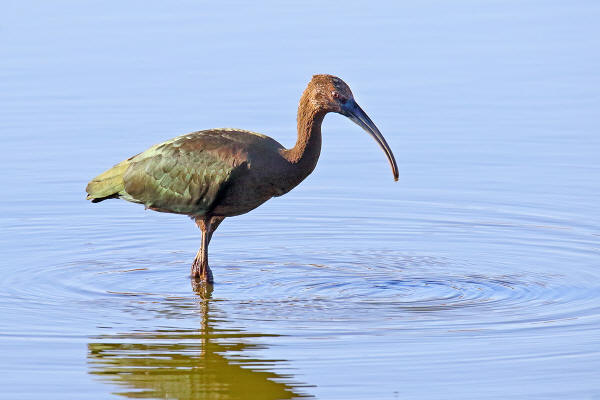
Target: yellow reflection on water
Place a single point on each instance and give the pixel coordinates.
(188, 364)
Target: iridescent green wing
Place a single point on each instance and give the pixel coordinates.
(184, 175)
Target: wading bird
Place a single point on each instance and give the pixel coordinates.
(217, 173)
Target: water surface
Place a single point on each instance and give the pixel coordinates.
(475, 276)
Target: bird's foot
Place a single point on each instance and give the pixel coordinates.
(202, 288)
(201, 272)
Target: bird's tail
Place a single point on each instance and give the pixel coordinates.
(107, 185)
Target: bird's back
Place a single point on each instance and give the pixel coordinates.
(187, 174)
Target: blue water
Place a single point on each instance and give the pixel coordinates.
(476, 276)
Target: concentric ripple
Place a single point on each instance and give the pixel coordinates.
(377, 289)
(516, 285)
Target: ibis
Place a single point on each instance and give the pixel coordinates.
(213, 174)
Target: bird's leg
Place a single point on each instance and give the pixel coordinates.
(214, 224)
(200, 269)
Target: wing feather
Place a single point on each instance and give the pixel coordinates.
(184, 175)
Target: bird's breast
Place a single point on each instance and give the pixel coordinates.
(261, 179)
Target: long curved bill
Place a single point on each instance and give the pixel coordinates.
(353, 111)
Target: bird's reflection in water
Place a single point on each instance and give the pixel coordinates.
(188, 364)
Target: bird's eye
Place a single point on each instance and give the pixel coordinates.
(339, 97)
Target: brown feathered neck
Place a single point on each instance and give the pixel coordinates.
(311, 112)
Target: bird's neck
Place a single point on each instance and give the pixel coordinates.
(305, 154)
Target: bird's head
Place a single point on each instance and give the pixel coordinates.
(331, 94)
